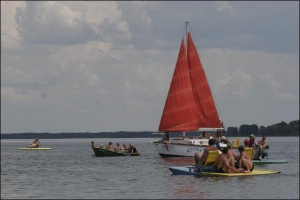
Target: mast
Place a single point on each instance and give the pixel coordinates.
(186, 30)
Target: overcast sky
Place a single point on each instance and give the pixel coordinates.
(107, 66)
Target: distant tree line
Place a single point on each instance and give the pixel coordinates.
(279, 129)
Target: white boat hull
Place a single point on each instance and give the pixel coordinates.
(181, 148)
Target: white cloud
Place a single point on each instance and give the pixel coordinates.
(223, 5)
(276, 88)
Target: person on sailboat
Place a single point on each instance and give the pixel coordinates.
(219, 133)
(166, 140)
(199, 159)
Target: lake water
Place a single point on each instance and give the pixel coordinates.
(71, 171)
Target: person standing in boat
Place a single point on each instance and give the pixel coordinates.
(166, 140)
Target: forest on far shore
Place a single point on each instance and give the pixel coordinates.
(279, 129)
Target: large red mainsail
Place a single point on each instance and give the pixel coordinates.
(209, 117)
(179, 111)
(189, 104)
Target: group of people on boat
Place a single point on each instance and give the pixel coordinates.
(34, 144)
(119, 149)
(229, 161)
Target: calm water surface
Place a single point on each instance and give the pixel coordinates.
(71, 171)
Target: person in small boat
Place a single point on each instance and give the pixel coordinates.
(110, 147)
(125, 148)
(101, 146)
(244, 161)
(118, 148)
(262, 145)
(166, 140)
(223, 165)
(35, 143)
(199, 159)
(132, 149)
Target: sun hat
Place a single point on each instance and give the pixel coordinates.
(223, 137)
(252, 135)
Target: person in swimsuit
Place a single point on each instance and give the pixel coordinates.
(199, 159)
(244, 161)
(232, 156)
(223, 165)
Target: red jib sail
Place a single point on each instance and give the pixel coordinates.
(209, 117)
(189, 105)
(179, 111)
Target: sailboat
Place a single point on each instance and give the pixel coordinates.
(189, 105)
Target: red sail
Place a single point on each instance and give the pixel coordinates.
(209, 117)
(180, 107)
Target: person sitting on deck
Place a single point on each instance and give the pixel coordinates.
(223, 165)
(110, 147)
(199, 159)
(219, 133)
(244, 160)
(224, 140)
(166, 140)
(208, 136)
